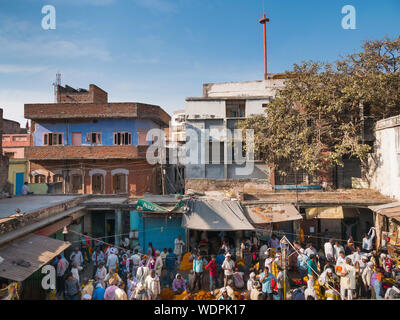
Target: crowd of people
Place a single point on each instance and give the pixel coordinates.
(253, 271)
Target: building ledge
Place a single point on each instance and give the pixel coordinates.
(85, 152)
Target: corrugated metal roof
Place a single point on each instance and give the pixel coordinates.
(272, 213)
(24, 256)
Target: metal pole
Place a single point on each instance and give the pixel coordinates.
(264, 21)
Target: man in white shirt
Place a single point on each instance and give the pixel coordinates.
(97, 258)
(135, 262)
(347, 280)
(328, 249)
(341, 260)
(228, 266)
(310, 250)
(178, 249)
(152, 284)
(101, 274)
(112, 260)
(367, 243)
(76, 257)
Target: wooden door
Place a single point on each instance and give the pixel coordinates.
(76, 138)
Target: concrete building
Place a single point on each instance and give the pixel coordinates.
(92, 146)
(385, 162)
(219, 110)
(14, 148)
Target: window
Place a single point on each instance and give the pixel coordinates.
(235, 109)
(19, 138)
(58, 178)
(122, 138)
(93, 138)
(120, 183)
(97, 184)
(53, 139)
(9, 155)
(216, 156)
(40, 178)
(76, 183)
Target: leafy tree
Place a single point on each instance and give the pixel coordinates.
(325, 111)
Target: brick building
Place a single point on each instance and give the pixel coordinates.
(92, 146)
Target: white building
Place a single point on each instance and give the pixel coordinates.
(385, 164)
(219, 110)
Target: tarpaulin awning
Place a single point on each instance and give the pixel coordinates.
(391, 210)
(24, 256)
(272, 213)
(147, 206)
(331, 213)
(215, 216)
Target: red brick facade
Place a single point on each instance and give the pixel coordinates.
(3, 159)
(40, 112)
(70, 95)
(85, 152)
(141, 176)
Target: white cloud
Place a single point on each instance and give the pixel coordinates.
(42, 47)
(12, 102)
(20, 69)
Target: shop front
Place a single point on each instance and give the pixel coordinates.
(209, 222)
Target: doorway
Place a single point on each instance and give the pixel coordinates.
(76, 138)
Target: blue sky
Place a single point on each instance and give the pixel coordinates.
(161, 51)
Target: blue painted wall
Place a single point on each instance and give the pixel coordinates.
(105, 126)
(160, 231)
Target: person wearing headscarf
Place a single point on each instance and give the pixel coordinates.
(251, 282)
(179, 284)
(98, 293)
(110, 291)
(110, 275)
(310, 291)
(329, 281)
(88, 287)
(153, 285)
(151, 263)
(256, 293)
(132, 283)
(142, 272)
(224, 294)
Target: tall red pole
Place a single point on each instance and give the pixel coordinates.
(264, 21)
